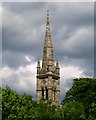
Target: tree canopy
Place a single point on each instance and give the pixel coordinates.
(78, 104)
(83, 90)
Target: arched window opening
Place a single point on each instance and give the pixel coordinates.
(43, 92)
(54, 95)
(46, 93)
(47, 69)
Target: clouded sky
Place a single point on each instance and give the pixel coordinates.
(23, 32)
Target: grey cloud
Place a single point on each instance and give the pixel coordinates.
(24, 30)
(20, 7)
(64, 87)
(13, 60)
(87, 65)
(79, 45)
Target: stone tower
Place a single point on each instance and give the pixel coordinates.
(48, 76)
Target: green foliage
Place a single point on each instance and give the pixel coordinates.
(78, 104)
(47, 112)
(16, 106)
(73, 111)
(0, 102)
(92, 111)
(83, 91)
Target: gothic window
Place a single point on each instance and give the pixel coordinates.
(47, 69)
(54, 95)
(43, 92)
(46, 93)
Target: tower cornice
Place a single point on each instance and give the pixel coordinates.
(48, 74)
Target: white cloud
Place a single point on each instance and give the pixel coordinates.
(22, 79)
(68, 72)
(27, 59)
(6, 72)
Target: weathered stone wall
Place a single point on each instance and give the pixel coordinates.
(48, 80)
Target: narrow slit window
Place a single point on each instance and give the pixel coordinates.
(54, 95)
(43, 92)
(46, 93)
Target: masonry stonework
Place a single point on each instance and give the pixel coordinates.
(48, 76)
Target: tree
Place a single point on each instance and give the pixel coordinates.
(16, 106)
(84, 91)
(46, 111)
(78, 104)
(0, 103)
(73, 110)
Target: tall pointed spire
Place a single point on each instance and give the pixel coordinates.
(48, 48)
(47, 17)
(48, 41)
(48, 76)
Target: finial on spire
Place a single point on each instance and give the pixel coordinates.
(38, 63)
(57, 64)
(47, 17)
(47, 13)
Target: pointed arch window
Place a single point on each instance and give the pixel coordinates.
(43, 92)
(46, 93)
(54, 94)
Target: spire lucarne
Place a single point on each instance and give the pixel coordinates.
(48, 76)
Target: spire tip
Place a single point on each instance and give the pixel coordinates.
(47, 13)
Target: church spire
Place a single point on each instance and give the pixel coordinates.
(48, 76)
(48, 48)
(48, 41)
(47, 17)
